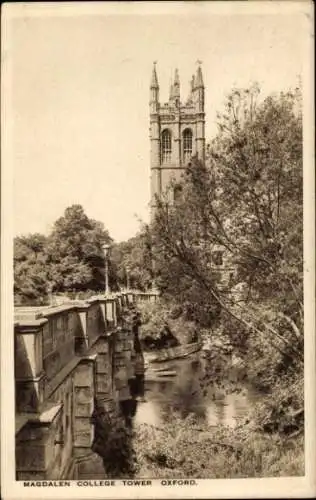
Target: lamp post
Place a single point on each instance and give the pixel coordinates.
(153, 283)
(106, 250)
(50, 293)
(127, 270)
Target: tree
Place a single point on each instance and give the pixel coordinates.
(133, 258)
(30, 270)
(70, 258)
(247, 201)
(74, 249)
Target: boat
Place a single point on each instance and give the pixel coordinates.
(180, 351)
(158, 373)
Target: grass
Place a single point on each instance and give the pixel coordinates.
(187, 448)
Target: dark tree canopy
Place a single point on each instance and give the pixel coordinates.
(75, 253)
(30, 269)
(132, 261)
(70, 258)
(246, 201)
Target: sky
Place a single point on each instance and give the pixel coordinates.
(79, 96)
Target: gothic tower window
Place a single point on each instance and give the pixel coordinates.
(166, 146)
(187, 144)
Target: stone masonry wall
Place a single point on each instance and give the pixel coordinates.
(74, 370)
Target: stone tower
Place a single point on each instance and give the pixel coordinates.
(177, 132)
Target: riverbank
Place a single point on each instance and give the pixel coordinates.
(263, 443)
(186, 448)
(213, 414)
(201, 420)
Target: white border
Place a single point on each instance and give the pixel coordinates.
(228, 488)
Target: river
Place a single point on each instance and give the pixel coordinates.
(187, 389)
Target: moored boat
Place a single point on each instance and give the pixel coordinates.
(180, 351)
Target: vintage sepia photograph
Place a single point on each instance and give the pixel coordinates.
(158, 274)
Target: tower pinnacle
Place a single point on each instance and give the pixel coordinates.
(176, 85)
(154, 79)
(199, 77)
(176, 77)
(170, 89)
(192, 83)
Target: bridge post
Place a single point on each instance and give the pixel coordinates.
(84, 392)
(111, 312)
(82, 342)
(36, 448)
(29, 374)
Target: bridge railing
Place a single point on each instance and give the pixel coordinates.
(65, 357)
(48, 338)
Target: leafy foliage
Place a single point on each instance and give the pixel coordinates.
(187, 448)
(75, 251)
(246, 202)
(164, 324)
(132, 261)
(70, 258)
(284, 413)
(30, 270)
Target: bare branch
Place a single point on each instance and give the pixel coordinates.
(291, 322)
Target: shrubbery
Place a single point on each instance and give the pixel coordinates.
(162, 321)
(284, 412)
(188, 448)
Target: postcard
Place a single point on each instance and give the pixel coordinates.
(157, 278)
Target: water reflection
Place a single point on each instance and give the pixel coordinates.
(186, 391)
(135, 391)
(179, 385)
